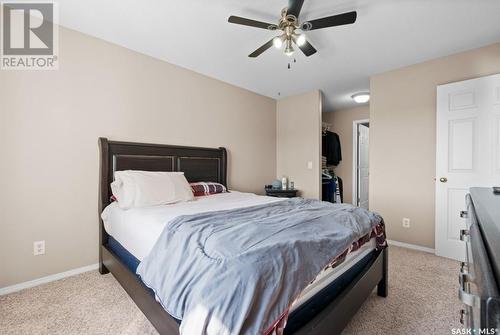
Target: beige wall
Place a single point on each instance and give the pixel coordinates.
(342, 123)
(299, 142)
(403, 139)
(50, 122)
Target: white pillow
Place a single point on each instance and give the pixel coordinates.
(143, 188)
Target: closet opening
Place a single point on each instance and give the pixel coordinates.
(331, 155)
(361, 163)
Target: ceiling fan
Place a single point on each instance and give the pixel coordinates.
(292, 30)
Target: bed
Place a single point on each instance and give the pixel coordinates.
(324, 308)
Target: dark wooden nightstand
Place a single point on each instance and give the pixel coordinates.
(279, 193)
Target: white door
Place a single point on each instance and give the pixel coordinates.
(468, 153)
(363, 167)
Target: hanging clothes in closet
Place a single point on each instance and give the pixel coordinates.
(331, 148)
(338, 190)
(332, 188)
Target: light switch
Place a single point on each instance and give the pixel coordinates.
(310, 165)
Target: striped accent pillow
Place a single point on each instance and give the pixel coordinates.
(207, 188)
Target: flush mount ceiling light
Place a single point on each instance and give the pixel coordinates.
(361, 98)
(292, 29)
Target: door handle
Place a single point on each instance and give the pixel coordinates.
(443, 179)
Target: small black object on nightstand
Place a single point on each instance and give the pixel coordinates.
(279, 193)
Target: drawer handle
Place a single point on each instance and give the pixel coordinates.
(464, 271)
(463, 214)
(464, 279)
(464, 235)
(463, 314)
(469, 299)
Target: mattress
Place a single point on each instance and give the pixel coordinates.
(136, 230)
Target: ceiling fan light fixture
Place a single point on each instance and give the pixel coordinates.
(300, 40)
(292, 28)
(289, 48)
(277, 42)
(361, 98)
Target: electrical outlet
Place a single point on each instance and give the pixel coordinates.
(406, 223)
(38, 248)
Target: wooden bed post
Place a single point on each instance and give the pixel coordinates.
(223, 171)
(103, 198)
(383, 285)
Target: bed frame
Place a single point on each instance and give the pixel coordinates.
(209, 164)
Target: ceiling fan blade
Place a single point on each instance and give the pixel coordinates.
(294, 7)
(330, 21)
(251, 23)
(260, 50)
(307, 48)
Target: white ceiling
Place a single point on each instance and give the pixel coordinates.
(195, 34)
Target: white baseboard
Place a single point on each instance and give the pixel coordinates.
(411, 246)
(48, 279)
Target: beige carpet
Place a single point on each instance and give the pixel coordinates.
(422, 300)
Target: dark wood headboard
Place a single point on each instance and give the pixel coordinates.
(198, 164)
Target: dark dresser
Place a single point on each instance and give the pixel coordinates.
(480, 274)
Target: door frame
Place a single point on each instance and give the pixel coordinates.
(355, 153)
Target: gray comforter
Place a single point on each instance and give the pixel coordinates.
(237, 271)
